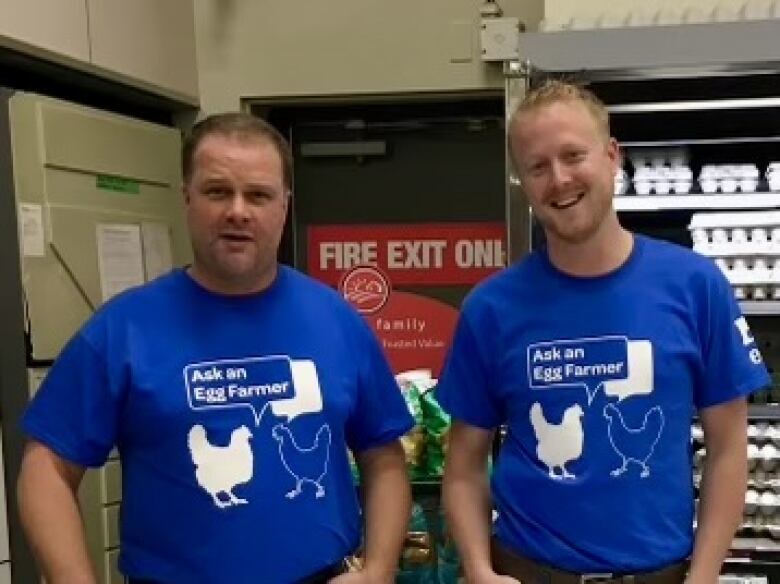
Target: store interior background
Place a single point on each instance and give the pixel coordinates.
(409, 74)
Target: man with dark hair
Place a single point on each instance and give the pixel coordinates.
(594, 351)
(232, 390)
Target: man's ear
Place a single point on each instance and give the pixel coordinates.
(185, 191)
(615, 153)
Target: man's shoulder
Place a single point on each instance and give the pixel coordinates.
(512, 285)
(307, 294)
(313, 289)
(143, 298)
(676, 259)
(170, 283)
(521, 275)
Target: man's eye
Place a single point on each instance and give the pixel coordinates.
(574, 156)
(217, 192)
(258, 196)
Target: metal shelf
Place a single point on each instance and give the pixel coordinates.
(760, 307)
(755, 544)
(698, 142)
(682, 202)
(764, 412)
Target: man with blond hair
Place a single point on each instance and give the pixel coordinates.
(594, 351)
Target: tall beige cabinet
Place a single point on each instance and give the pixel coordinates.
(98, 208)
(146, 44)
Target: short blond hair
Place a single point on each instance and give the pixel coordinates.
(554, 91)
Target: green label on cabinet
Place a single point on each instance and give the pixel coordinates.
(118, 184)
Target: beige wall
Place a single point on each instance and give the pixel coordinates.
(285, 48)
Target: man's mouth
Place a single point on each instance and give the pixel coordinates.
(236, 237)
(567, 202)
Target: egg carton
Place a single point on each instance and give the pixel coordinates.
(658, 157)
(762, 461)
(765, 504)
(764, 432)
(742, 579)
(767, 457)
(662, 180)
(773, 176)
(621, 182)
(750, 272)
(762, 480)
(758, 433)
(731, 219)
(736, 241)
(729, 178)
(760, 526)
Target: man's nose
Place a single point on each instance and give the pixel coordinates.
(238, 208)
(559, 174)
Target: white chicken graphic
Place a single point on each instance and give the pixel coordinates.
(558, 444)
(219, 469)
(635, 445)
(305, 465)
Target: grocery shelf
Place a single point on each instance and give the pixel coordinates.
(698, 141)
(760, 307)
(764, 412)
(682, 202)
(755, 544)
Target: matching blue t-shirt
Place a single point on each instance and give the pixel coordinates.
(597, 380)
(232, 416)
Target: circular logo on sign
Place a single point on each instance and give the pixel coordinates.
(365, 288)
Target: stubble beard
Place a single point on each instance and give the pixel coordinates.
(579, 233)
(235, 273)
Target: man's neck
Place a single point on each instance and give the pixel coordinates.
(605, 252)
(231, 286)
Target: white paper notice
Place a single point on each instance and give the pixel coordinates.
(120, 257)
(31, 223)
(158, 259)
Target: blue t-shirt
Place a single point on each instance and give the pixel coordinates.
(232, 416)
(597, 379)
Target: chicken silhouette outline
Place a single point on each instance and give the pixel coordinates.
(558, 444)
(220, 469)
(634, 444)
(305, 465)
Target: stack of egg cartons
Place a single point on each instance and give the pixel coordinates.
(762, 499)
(728, 178)
(661, 171)
(746, 246)
(621, 182)
(773, 176)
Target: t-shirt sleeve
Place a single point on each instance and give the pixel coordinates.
(466, 388)
(732, 363)
(380, 414)
(75, 410)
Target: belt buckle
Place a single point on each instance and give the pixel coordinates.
(597, 577)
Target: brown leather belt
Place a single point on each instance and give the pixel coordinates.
(508, 563)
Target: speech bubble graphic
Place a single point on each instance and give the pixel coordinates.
(640, 369)
(308, 395)
(578, 363)
(255, 383)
